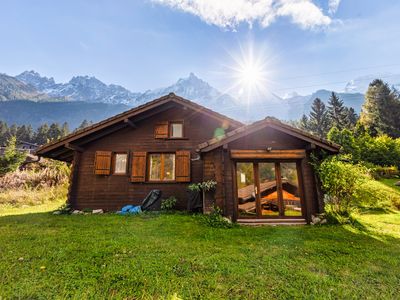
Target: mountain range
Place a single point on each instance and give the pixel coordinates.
(40, 99)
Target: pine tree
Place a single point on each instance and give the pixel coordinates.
(41, 136)
(24, 133)
(12, 158)
(318, 120)
(54, 132)
(351, 117)
(85, 123)
(3, 133)
(304, 123)
(381, 110)
(336, 112)
(64, 129)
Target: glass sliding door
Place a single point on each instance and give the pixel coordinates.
(290, 189)
(268, 189)
(246, 189)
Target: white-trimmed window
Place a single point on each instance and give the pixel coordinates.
(162, 167)
(120, 165)
(176, 130)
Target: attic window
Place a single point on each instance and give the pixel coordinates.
(176, 130)
(169, 130)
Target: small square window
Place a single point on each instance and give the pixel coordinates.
(120, 163)
(176, 130)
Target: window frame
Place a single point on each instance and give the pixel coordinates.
(114, 163)
(162, 168)
(170, 123)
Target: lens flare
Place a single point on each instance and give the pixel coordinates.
(250, 71)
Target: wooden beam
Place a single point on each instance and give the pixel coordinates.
(311, 146)
(264, 154)
(101, 134)
(73, 147)
(59, 152)
(130, 123)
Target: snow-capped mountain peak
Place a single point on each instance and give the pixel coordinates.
(33, 78)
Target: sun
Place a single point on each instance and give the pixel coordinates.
(250, 72)
(251, 75)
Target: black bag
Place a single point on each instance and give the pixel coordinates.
(195, 203)
(151, 199)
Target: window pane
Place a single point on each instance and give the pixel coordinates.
(245, 189)
(120, 163)
(290, 185)
(155, 167)
(268, 191)
(177, 130)
(169, 166)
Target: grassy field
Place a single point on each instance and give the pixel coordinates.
(390, 182)
(158, 256)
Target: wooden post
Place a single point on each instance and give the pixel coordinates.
(278, 176)
(73, 180)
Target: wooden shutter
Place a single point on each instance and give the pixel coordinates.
(102, 163)
(161, 130)
(138, 169)
(182, 166)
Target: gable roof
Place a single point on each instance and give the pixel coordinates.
(122, 118)
(272, 123)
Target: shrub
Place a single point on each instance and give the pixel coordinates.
(169, 203)
(12, 158)
(340, 180)
(349, 186)
(362, 147)
(216, 220)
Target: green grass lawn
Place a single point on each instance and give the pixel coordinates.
(156, 256)
(390, 182)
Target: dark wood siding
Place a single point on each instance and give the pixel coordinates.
(111, 192)
(218, 165)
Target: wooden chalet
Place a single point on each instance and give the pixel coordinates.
(262, 170)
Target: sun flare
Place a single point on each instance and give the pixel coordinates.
(250, 71)
(251, 75)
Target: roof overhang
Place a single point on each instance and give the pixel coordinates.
(271, 123)
(63, 149)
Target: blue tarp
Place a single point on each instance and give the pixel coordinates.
(130, 209)
(151, 199)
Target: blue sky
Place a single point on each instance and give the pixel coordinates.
(147, 44)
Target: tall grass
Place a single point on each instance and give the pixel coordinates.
(41, 182)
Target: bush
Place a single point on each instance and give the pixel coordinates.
(216, 220)
(363, 148)
(12, 158)
(168, 204)
(340, 180)
(349, 186)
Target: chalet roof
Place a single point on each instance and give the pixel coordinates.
(123, 118)
(272, 123)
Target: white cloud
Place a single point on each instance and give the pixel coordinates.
(333, 5)
(230, 13)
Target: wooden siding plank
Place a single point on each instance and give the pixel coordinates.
(264, 154)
